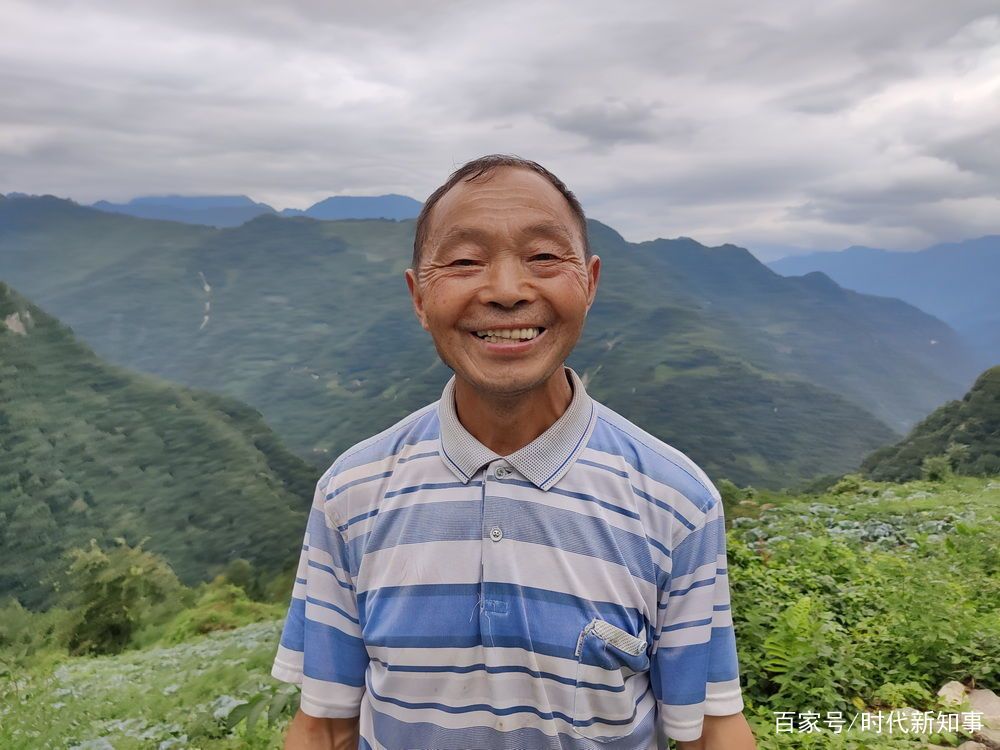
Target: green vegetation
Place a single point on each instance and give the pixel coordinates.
(134, 655)
(962, 436)
(113, 591)
(161, 697)
(870, 596)
(88, 450)
(867, 597)
(760, 378)
(222, 607)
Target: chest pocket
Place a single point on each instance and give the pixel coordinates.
(608, 658)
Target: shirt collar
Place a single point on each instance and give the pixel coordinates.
(543, 461)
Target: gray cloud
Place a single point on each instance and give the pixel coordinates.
(977, 152)
(614, 121)
(766, 124)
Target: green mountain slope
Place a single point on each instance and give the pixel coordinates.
(867, 349)
(762, 379)
(966, 430)
(89, 449)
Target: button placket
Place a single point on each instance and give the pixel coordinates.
(492, 534)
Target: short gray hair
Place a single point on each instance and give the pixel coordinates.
(485, 165)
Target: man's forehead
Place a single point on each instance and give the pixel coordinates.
(456, 233)
(512, 200)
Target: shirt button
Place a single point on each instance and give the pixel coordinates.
(502, 471)
(496, 534)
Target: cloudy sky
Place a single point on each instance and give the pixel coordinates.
(773, 125)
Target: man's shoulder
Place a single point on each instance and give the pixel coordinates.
(651, 458)
(417, 426)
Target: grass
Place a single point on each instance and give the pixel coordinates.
(161, 697)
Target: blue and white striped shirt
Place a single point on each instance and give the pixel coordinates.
(573, 594)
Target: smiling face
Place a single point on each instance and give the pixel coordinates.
(503, 286)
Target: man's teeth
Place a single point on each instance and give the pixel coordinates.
(506, 334)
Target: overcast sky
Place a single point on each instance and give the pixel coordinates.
(766, 124)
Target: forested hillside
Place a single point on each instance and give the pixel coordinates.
(91, 450)
(965, 433)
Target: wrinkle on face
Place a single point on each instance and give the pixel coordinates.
(507, 252)
(448, 240)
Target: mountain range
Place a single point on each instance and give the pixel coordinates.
(958, 282)
(233, 210)
(92, 450)
(760, 378)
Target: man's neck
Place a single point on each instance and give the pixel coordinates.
(507, 425)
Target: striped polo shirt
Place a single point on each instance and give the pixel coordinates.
(572, 594)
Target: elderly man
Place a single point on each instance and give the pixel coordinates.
(514, 565)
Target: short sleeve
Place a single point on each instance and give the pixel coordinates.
(694, 670)
(321, 645)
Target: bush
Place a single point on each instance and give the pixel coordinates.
(220, 606)
(849, 484)
(24, 634)
(935, 468)
(240, 572)
(114, 592)
(957, 455)
(729, 491)
(731, 494)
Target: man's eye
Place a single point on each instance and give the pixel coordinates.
(463, 262)
(543, 256)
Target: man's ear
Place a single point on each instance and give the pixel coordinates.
(593, 274)
(415, 296)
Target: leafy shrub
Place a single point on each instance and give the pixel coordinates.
(729, 491)
(220, 606)
(274, 702)
(957, 455)
(731, 494)
(239, 572)
(803, 654)
(935, 468)
(847, 485)
(114, 592)
(22, 632)
(905, 694)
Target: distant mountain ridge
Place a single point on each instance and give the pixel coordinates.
(232, 210)
(208, 210)
(958, 282)
(390, 206)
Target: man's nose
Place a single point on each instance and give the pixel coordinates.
(507, 283)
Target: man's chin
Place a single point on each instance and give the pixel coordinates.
(510, 379)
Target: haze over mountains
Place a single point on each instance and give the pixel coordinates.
(233, 210)
(760, 378)
(957, 282)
